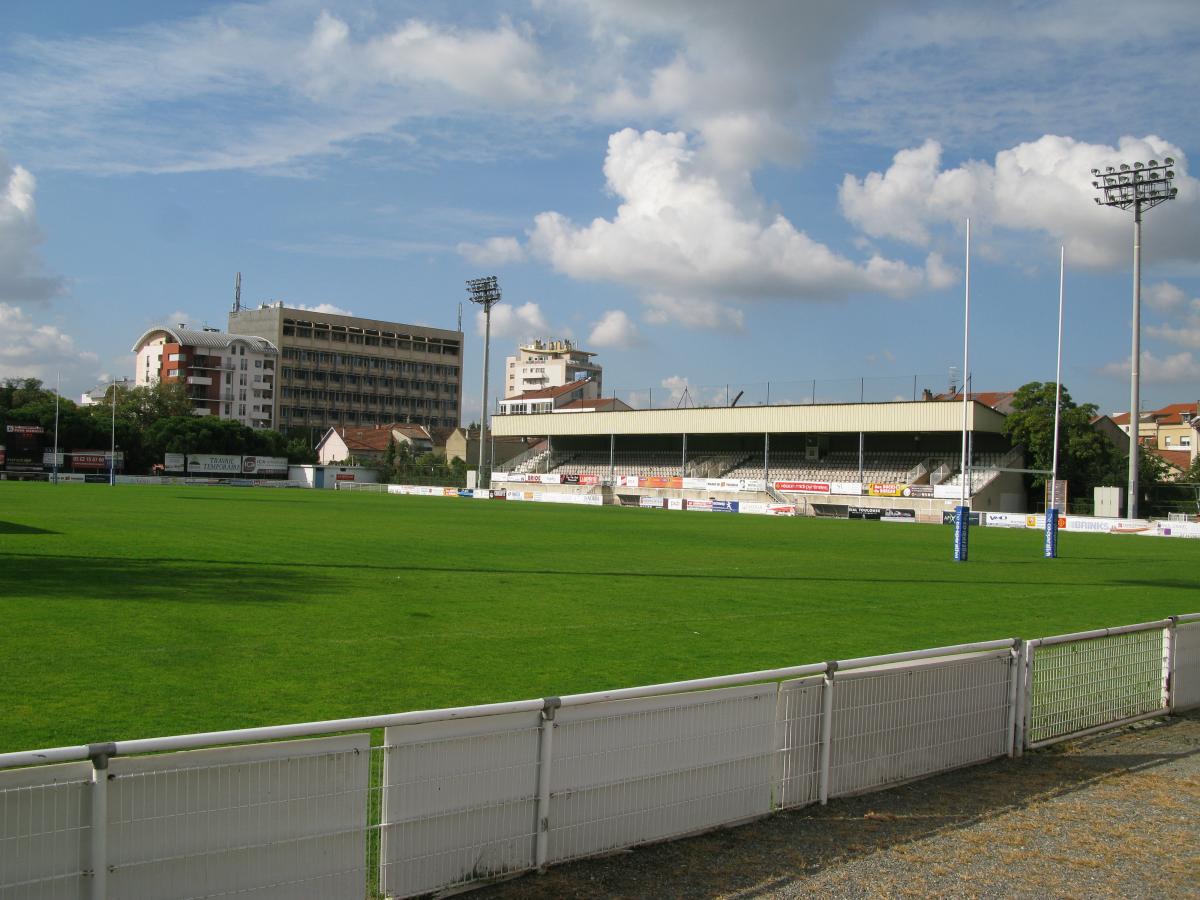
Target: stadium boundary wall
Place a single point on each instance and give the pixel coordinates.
(455, 797)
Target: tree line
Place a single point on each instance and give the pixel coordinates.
(148, 422)
(1087, 458)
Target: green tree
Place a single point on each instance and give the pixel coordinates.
(1086, 458)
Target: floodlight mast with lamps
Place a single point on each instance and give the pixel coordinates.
(1139, 187)
(486, 293)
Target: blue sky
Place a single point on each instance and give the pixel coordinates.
(704, 193)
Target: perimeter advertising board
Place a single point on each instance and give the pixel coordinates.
(802, 487)
(174, 462)
(214, 464)
(264, 465)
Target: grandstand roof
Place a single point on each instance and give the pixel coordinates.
(900, 417)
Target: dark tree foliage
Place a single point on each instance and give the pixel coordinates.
(1086, 458)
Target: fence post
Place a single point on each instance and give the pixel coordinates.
(1025, 695)
(1013, 695)
(826, 729)
(99, 755)
(1172, 635)
(545, 756)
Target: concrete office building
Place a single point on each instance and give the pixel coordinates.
(338, 371)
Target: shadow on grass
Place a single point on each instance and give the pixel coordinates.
(153, 581)
(774, 856)
(1007, 581)
(18, 528)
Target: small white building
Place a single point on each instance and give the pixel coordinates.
(550, 399)
(368, 445)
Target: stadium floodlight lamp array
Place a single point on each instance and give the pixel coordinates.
(1142, 185)
(486, 293)
(1139, 187)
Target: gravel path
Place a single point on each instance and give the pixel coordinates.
(1116, 815)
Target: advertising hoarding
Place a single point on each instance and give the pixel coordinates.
(214, 464)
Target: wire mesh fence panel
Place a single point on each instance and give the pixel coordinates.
(280, 820)
(631, 771)
(459, 802)
(798, 729)
(1077, 685)
(895, 723)
(44, 832)
(1186, 686)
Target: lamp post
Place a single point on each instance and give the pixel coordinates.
(112, 456)
(1139, 187)
(486, 293)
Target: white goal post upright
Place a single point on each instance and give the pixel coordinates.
(1050, 545)
(962, 514)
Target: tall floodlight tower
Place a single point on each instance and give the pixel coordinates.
(1138, 187)
(486, 293)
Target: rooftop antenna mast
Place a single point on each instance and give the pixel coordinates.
(237, 293)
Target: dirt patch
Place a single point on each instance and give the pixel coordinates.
(1116, 815)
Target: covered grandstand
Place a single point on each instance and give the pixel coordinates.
(825, 458)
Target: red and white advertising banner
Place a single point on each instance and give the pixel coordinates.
(589, 479)
(885, 489)
(24, 429)
(660, 482)
(850, 488)
(650, 502)
(93, 460)
(627, 480)
(344, 476)
(699, 505)
(802, 487)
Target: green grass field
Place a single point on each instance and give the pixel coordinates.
(143, 611)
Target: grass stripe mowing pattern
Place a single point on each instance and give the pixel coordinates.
(143, 611)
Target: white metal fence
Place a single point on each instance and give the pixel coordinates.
(400, 805)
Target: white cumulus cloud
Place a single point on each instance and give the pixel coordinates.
(21, 275)
(615, 329)
(686, 229)
(520, 322)
(495, 251)
(1040, 186)
(329, 308)
(32, 350)
(1176, 368)
(1163, 296)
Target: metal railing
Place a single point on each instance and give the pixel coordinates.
(446, 798)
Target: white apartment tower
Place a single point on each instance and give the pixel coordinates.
(549, 363)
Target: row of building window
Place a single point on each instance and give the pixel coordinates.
(303, 415)
(368, 340)
(348, 360)
(370, 381)
(384, 402)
